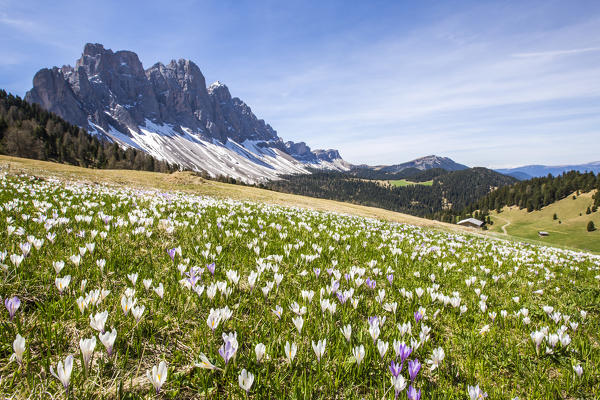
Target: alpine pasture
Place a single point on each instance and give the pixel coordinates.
(119, 292)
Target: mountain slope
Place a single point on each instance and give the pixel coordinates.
(168, 112)
(533, 171)
(422, 163)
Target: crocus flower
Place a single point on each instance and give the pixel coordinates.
(171, 253)
(62, 283)
(214, 317)
(436, 358)
(390, 278)
(137, 312)
(359, 353)
(290, 351)
(382, 346)
(12, 305)
(192, 277)
(260, 350)
(475, 393)
(87, 347)
(98, 321)
(395, 369)
(399, 383)
(418, 316)
(211, 268)
(245, 380)
(160, 290)
(319, 348)
(108, 340)
(347, 331)
(413, 394)
(413, 369)
(63, 372)
(19, 348)
(205, 363)
(158, 376)
(298, 323)
(578, 370)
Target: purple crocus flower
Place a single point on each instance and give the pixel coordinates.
(171, 253)
(317, 271)
(413, 394)
(414, 367)
(404, 351)
(12, 305)
(418, 316)
(370, 283)
(211, 268)
(373, 320)
(390, 278)
(227, 351)
(395, 368)
(335, 286)
(329, 271)
(219, 225)
(192, 277)
(347, 276)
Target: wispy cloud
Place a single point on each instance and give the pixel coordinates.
(556, 53)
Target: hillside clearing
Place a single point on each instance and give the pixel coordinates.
(569, 229)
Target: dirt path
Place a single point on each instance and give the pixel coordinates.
(503, 227)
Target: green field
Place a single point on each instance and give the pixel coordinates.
(137, 293)
(570, 231)
(404, 182)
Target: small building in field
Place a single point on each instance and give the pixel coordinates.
(542, 233)
(471, 222)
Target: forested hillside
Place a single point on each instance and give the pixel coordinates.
(27, 130)
(449, 193)
(536, 193)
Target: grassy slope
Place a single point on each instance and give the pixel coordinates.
(570, 232)
(185, 181)
(404, 182)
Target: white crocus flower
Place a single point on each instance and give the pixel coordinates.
(62, 283)
(290, 351)
(298, 323)
(359, 353)
(108, 340)
(245, 380)
(63, 371)
(260, 350)
(347, 331)
(87, 347)
(19, 348)
(319, 348)
(158, 376)
(98, 321)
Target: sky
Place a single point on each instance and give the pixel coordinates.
(486, 83)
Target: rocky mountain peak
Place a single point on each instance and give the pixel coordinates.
(110, 94)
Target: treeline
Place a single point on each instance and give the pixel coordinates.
(413, 174)
(449, 193)
(536, 193)
(415, 199)
(29, 131)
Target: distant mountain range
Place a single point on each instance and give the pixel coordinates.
(168, 112)
(532, 171)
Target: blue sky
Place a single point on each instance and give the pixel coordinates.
(487, 83)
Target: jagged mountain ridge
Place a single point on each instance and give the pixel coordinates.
(169, 112)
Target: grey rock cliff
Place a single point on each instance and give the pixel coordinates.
(111, 90)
